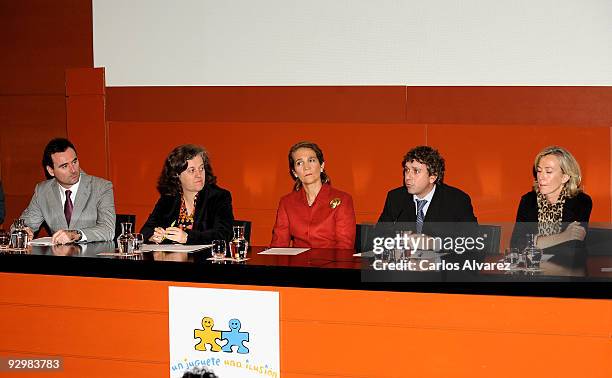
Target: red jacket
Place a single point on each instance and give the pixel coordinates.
(318, 226)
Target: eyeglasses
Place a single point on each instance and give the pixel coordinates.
(193, 170)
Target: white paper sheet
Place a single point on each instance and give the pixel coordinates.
(227, 259)
(283, 251)
(46, 241)
(174, 247)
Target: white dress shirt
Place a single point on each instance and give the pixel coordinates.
(73, 191)
(428, 198)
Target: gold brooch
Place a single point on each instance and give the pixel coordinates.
(335, 203)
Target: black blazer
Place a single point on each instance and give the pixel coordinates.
(213, 216)
(448, 204)
(575, 209)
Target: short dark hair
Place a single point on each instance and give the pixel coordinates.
(176, 162)
(55, 145)
(430, 157)
(313, 146)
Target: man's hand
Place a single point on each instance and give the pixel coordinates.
(65, 237)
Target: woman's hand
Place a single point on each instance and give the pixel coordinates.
(575, 231)
(176, 234)
(158, 235)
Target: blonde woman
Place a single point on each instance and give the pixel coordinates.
(556, 210)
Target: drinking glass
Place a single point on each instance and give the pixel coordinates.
(512, 256)
(533, 254)
(535, 258)
(138, 242)
(405, 243)
(20, 240)
(219, 249)
(19, 235)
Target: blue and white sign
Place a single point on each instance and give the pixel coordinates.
(234, 333)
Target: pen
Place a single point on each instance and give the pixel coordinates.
(171, 225)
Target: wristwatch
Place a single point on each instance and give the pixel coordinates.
(79, 233)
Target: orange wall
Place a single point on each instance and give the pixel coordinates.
(492, 162)
(40, 39)
(39, 99)
(123, 331)
(364, 132)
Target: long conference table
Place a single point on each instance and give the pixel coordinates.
(108, 315)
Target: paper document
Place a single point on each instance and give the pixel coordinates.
(133, 254)
(174, 247)
(46, 241)
(283, 251)
(227, 259)
(421, 254)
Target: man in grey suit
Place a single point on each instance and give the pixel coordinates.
(76, 207)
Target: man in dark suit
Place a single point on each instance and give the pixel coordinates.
(425, 204)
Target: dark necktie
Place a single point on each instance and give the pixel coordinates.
(420, 215)
(68, 207)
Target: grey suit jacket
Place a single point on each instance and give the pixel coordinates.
(93, 212)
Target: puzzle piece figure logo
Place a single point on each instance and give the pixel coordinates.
(208, 335)
(235, 337)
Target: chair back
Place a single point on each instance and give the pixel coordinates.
(492, 237)
(599, 241)
(362, 233)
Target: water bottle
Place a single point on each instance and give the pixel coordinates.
(125, 241)
(533, 254)
(239, 245)
(19, 236)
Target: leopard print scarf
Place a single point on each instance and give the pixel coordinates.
(550, 214)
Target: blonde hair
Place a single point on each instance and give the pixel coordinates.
(568, 165)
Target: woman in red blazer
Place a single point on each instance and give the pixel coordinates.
(314, 214)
